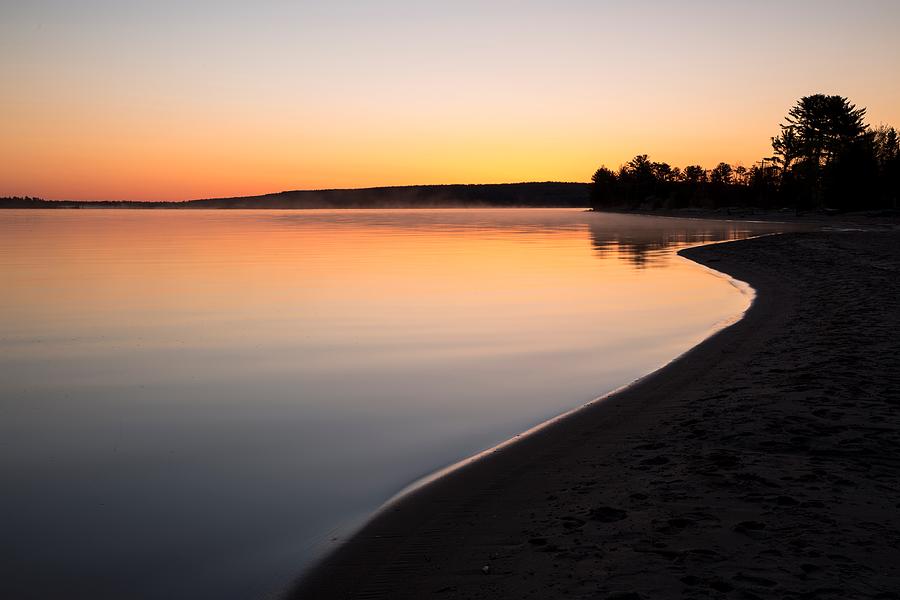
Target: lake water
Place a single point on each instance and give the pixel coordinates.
(195, 402)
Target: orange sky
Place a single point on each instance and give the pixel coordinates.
(177, 100)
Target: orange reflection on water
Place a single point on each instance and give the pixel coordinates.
(118, 263)
(298, 368)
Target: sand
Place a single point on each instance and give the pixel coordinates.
(764, 463)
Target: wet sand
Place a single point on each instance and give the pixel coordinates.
(763, 463)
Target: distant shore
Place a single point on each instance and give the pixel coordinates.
(763, 462)
(541, 194)
(501, 195)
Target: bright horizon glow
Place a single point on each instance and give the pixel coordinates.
(169, 100)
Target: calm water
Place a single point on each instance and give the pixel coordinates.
(195, 402)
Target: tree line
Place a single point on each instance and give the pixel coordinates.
(825, 157)
(21, 201)
(534, 194)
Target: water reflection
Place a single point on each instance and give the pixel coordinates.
(194, 402)
(643, 243)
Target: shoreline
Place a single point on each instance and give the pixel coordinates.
(530, 506)
(328, 567)
(743, 288)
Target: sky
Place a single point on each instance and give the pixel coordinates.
(172, 100)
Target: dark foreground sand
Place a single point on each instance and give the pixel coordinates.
(765, 463)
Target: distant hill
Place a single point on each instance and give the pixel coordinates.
(544, 194)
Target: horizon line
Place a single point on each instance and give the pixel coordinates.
(308, 190)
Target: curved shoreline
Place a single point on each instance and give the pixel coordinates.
(399, 516)
(505, 509)
(743, 288)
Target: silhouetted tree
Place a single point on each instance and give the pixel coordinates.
(887, 144)
(786, 148)
(663, 171)
(721, 174)
(604, 188)
(821, 140)
(694, 174)
(638, 179)
(886, 148)
(641, 170)
(825, 155)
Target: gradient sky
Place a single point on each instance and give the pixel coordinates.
(162, 99)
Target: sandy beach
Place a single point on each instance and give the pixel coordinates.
(763, 463)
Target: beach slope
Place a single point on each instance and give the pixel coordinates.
(763, 463)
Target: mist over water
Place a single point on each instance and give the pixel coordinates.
(195, 402)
